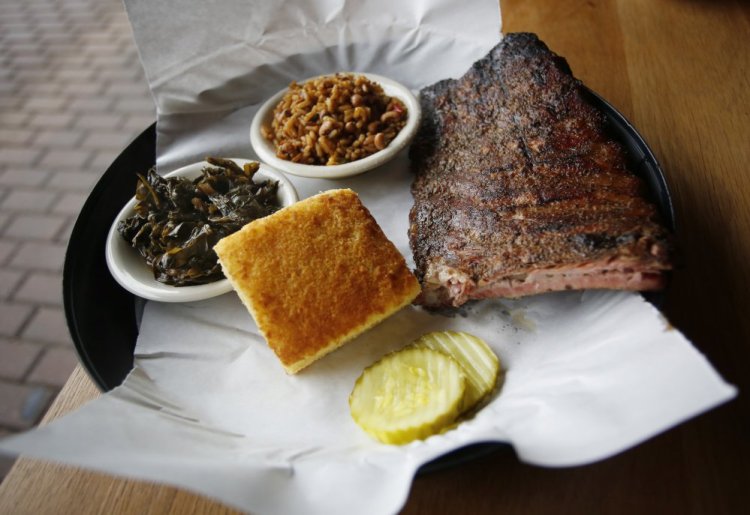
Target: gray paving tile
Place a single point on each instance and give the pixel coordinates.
(65, 158)
(138, 122)
(69, 203)
(119, 74)
(47, 256)
(136, 89)
(32, 47)
(116, 61)
(101, 139)
(102, 160)
(32, 76)
(12, 10)
(54, 368)
(90, 104)
(40, 288)
(6, 249)
(41, 88)
(63, 236)
(16, 118)
(83, 17)
(15, 136)
(17, 359)
(7, 87)
(9, 281)
(48, 326)
(28, 48)
(53, 39)
(28, 200)
(99, 121)
(71, 180)
(71, 60)
(22, 177)
(19, 155)
(4, 221)
(82, 88)
(64, 138)
(43, 18)
(22, 406)
(94, 39)
(46, 103)
(29, 60)
(78, 74)
(13, 317)
(16, 27)
(51, 120)
(36, 227)
(9, 102)
(100, 48)
(135, 105)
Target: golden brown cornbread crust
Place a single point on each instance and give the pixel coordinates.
(316, 274)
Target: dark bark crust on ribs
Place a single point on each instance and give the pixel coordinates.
(519, 190)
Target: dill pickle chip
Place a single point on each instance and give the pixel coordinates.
(408, 395)
(478, 361)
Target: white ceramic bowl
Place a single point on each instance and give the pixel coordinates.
(266, 151)
(129, 268)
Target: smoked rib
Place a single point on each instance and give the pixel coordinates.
(518, 189)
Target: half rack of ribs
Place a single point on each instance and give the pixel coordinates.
(518, 189)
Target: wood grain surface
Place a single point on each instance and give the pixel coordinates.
(680, 71)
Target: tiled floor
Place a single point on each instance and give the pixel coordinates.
(72, 95)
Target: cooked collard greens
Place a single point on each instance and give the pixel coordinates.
(178, 220)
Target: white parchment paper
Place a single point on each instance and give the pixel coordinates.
(209, 408)
(210, 64)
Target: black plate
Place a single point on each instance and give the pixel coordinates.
(101, 314)
(103, 317)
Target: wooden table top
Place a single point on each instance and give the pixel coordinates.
(680, 71)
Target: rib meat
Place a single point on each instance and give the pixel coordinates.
(519, 190)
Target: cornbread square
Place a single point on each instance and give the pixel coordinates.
(316, 274)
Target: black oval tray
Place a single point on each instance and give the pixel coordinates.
(103, 317)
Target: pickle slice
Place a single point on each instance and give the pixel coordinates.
(478, 361)
(407, 395)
